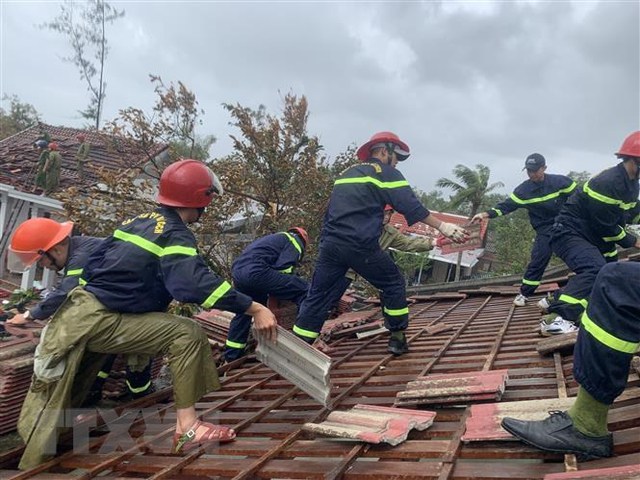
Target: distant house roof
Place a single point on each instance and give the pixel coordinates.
(19, 158)
(398, 221)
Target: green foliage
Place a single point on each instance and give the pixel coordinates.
(410, 263)
(197, 150)
(513, 238)
(434, 200)
(18, 117)
(188, 310)
(20, 298)
(471, 190)
(84, 26)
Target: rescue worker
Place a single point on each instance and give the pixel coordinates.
(82, 154)
(64, 251)
(350, 233)
(608, 338)
(586, 232)
(392, 238)
(41, 145)
(131, 279)
(52, 169)
(543, 194)
(265, 267)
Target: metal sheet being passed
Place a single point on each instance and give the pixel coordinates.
(298, 362)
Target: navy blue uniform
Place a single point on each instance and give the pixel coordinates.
(265, 267)
(543, 201)
(80, 248)
(349, 239)
(586, 232)
(610, 332)
(152, 259)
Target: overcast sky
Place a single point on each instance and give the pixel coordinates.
(460, 82)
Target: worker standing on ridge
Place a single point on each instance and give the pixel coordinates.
(543, 194)
(52, 246)
(52, 169)
(608, 338)
(42, 147)
(350, 234)
(82, 155)
(131, 279)
(586, 232)
(265, 267)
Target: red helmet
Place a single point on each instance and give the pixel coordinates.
(35, 236)
(53, 146)
(631, 145)
(401, 148)
(388, 208)
(81, 136)
(188, 183)
(301, 232)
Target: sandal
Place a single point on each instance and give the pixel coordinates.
(183, 442)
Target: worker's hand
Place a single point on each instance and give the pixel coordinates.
(17, 319)
(264, 321)
(478, 217)
(454, 232)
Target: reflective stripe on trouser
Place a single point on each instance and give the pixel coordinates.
(103, 374)
(585, 260)
(258, 285)
(139, 381)
(182, 340)
(540, 256)
(373, 265)
(610, 332)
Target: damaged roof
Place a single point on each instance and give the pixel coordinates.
(483, 332)
(20, 158)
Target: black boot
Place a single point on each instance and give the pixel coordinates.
(398, 344)
(557, 434)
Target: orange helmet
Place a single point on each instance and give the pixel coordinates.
(631, 145)
(188, 183)
(53, 146)
(388, 208)
(301, 232)
(34, 237)
(383, 139)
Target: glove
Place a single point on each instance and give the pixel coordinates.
(478, 217)
(454, 232)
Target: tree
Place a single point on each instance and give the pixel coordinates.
(434, 200)
(469, 194)
(172, 121)
(471, 190)
(18, 117)
(277, 177)
(85, 28)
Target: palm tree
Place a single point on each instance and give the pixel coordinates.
(470, 191)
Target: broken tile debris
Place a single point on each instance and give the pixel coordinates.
(373, 424)
(454, 388)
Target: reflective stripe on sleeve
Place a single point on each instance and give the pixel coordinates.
(216, 295)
